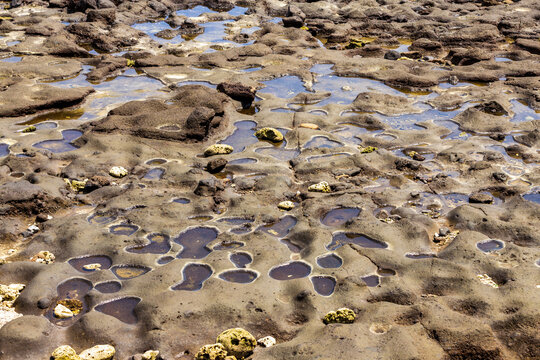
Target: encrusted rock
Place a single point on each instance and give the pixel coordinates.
(216, 165)
(237, 342)
(367, 149)
(74, 305)
(309, 126)
(269, 134)
(43, 257)
(76, 185)
(10, 293)
(64, 352)
(266, 341)
(286, 205)
(150, 355)
(118, 172)
(29, 129)
(480, 198)
(62, 312)
(320, 187)
(340, 316)
(98, 352)
(218, 149)
(211, 352)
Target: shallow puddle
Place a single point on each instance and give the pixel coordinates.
(123, 309)
(329, 261)
(371, 280)
(228, 245)
(123, 229)
(279, 153)
(323, 285)
(339, 216)
(84, 263)
(327, 157)
(108, 287)
(290, 271)
(101, 219)
(75, 288)
(240, 276)
(159, 244)
(322, 142)
(342, 238)
(280, 228)
(522, 112)
(533, 196)
(126, 272)
(194, 275)
(284, 87)
(241, 259)
(490, 245)
(154, 174)
(60, 146)
(418, 256)
(194, 242)
(243, 161)
(181, 201)
(243, 136)
(55, 116)
(70, 292)
(165, 260)
(4, 150)
(157, 161)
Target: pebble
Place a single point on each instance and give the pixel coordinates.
(286, 205)
(266, 341)
(320, 187)
(64, 352)
(62, 312)
(94, 266)
(269, 134)
(150, 355)
(118, 172)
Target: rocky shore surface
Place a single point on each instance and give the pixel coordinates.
(270, 179)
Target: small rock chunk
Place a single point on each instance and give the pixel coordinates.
(64, 352)
(98, 352)
(269, 134)
(218, 149)
(211, 352)
(118, 172)
(320, 187)
(237, 342)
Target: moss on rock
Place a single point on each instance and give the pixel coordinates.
(270, 134)
(340, 316)
(238, 342)
(211, 352)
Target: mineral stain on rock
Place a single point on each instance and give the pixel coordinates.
(126, 272)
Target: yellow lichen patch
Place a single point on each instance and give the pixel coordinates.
(309, 126)
(367, 149)
(74, 305)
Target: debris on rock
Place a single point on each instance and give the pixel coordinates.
(266, 341)
(43, 257)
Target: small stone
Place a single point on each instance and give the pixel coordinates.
(218, 149)
(392, 55)
(93, 266)
(62, 312)
(43, 303)
(64, 352)
(269, 134)
(98, 352)
(444, 231)
(211, 352)
(74, 305)
(309, 126)
(320, 187)
(41, 218)
(499, 176)
(32, 229)
(367, 149)
(118, 172)
(150, 355)
(480, 198)
(216, 165)
(237, 342)
(266, 341)
(43, 257)
(29, 129)
(286, 205)
(340, 316)
(346, 88)
(383, 214)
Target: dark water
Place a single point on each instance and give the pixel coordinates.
(340, 216)
(290, 271)
(330, 261)
(280, 228)
(159, 244)
(109, 287)
(123, 309)
(342, 238)
(241, 259)
(324, 285)
(371, 280)
(123, 229)
(194, 242)
(194, 275)
(241, 276)
(80, 262)
(60, 146)
(490, 245)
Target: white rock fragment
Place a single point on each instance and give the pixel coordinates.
(150, 355)
(118, 172)
(266, 341)
(62, 312)
(92, 267)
